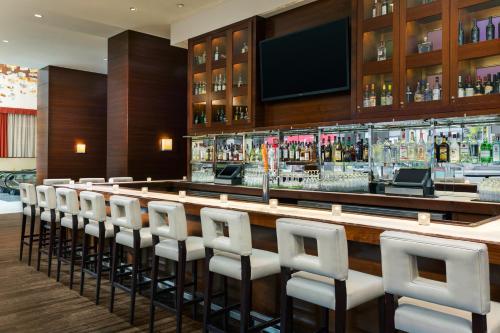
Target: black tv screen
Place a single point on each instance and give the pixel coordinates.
(309, 62)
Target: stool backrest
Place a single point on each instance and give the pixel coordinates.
(67, 201)
(56, 181)
(467, 285)
(332, 258)
(120, 179)
(28, 194)
(213, 221)
(46, 197)
(91, 180)
(93, 206)
(126, 212)
(167, 219)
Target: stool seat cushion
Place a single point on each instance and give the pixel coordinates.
(27, 211)
(169, 249)
(262, 263)
(417, 316)
(92, 229)
(320, 290)
(67, 222)
(126, 237)
(45, 216)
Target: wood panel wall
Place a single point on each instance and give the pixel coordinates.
(71, 109)
(306, 110)
(146, 102)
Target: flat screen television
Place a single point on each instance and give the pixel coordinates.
(305, 63)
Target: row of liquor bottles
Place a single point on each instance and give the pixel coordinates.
(486, 86)
(423, 92)
(240, 112)
(372, 98)
(475, 33)
(200, 87)
(381, 7)
(218, 54)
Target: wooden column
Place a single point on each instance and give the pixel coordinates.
(146, 102)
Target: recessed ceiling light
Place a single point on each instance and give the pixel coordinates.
(5, 41)
(133, 9)
(38, 15)
(180, 5)
(105, 59)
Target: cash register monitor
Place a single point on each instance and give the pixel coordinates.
(229, 171)
(411, 177)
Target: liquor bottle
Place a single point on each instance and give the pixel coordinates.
(488, 85)
(338, 151)
(346, 154)
(478, 88)
(469, 88)
(465, 150)
(373, 96)
(403, 148)
(490, 29)
(387, 151)
(381, 51)
(307, 151)
(298, 150)
(375, 8)
(418, 95)
(444, 151)
(366, 151)
(323, 150)
(427, 92)
(412, 147)
(216, 54)
(409, 95)
(485, 149)
(366, 97)
(286, 152)
(454, 150)
(421, 148)
(436, 91)
(474, 32)
(461, 90)
(352, 150)
(474, 150)
(496, 150)
(223, 82)
(384, 8)
(359, 148)
(328, 150)
(394, 151)
(425, 46)
(496, 83)
(244, 48)
(461, 34)
(388, 96)
(240, 81)
(383, 95)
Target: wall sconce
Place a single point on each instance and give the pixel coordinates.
(166, 144)
(81, 148)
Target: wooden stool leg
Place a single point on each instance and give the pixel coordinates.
(59, 253)
(208, 285)
(225, 303)
(325, 319)
(340, 306)
(52, 237)
(85, 250)
(181, 277)
(100, 255)
(114, 264)
(135, 268)
(74, 240)
(154, 287)
(41, 241)
(32, 233)
(23, 230)
(194, 271)
(286, 303)
(246, 294)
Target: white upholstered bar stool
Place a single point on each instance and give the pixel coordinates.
(168, 221)
(71, 221)
(30, 209)
(98, 226)
(56, 181)
(91, 180)
(120, 179)
(325, 279)
(126, 214)
(459, 305)
(235, 258)
(49, 222)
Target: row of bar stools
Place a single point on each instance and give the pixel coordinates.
(49, 222)
(325, 279)
(68, 207)
(233, 256)
(126, 214)
(98, 226)
(30, 209)
(168, 221)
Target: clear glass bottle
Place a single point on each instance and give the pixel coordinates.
(421, 148)
(496, 150)
(412, 147)
(381, 51)
(465, 150)
(403, 148)
(475, 32)
(373, 96)
(366, 97)
(461, 89)
(490, 29)
(436, 90)
(454, 150)
(425, 46)
(388, 96)
(461, 34)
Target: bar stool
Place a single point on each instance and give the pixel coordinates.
(28, 200)
(235, 258)
(97, 225)
(325, 279)
(461, 304)
(56, 181)
(91, 180)
(168, 221)
(126, 213)
(120, 179)
(69, 208)
(49, 220)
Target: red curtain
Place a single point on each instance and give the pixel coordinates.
(3, 135)
(18, 111)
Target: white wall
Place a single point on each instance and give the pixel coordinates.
(15, 164)
(226, 13)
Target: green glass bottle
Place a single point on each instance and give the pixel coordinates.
(485, 149)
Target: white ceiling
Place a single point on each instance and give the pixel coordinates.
(74, 33)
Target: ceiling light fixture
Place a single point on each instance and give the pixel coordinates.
(133, 9)
(105, 59)
(5, 41)
(180, 5)
(38, 15)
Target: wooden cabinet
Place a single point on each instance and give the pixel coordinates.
(223, 79)
(410, 62)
